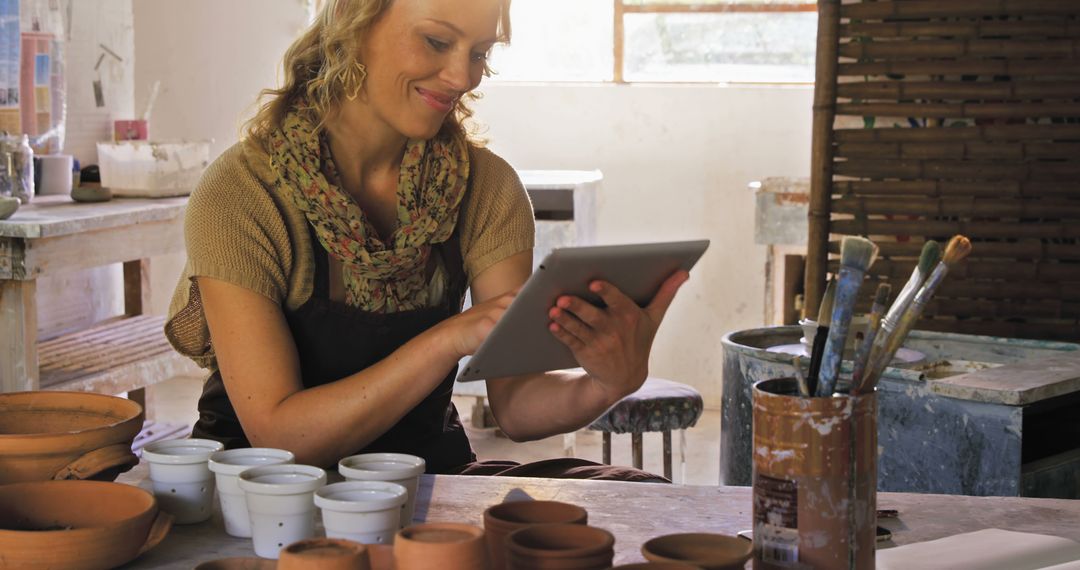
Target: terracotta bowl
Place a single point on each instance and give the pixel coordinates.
(502, 519)
(440, 546)
(66, 435)
(560, 546)
(239, 563)
(656, 566)
(707, 550)
(76, 525)
(324, 554)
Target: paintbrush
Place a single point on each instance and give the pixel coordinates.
(862, 352)
(818, 349)
(856, 256)
(931, 254)
(958, 248)
(800, 378)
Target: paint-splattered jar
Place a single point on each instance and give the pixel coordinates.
(815, 478)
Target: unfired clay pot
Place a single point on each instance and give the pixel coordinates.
(569, 546)
(66, 435)
(440, 546)
(77, 525)
(502, 519)
(706, 550)
(324, 554)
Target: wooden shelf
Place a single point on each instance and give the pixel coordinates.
(112, 357)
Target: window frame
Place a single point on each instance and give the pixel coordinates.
(726, 7)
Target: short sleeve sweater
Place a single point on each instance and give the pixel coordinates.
(238, 229)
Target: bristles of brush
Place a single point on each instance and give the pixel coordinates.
(858, 252)
(800, 378)
(957, 250)
(824, 316)
(930, 256)
(882, 295)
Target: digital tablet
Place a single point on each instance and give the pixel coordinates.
(521, 343)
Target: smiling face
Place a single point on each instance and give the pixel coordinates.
(421, 57)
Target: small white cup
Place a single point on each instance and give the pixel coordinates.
(368, 512)
(397, 468)
(181, 478)
(227, 466)
(279, 501)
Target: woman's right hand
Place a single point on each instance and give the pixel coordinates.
(468, 330)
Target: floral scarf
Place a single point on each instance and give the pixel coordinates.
(379, 277)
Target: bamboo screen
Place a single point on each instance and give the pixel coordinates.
(933, 118)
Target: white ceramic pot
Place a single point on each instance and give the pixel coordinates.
(226, 467)
(397, 468)
(181, 477)
(280, 504)
(368, 512)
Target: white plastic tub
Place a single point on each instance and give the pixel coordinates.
(152, 169)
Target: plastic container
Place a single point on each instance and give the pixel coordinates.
(280, 500)
(152, 169)
(368, 512)
(399, 468)
(227, 466)
(181, 477)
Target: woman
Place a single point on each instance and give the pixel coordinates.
(329, 253)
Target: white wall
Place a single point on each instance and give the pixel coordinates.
(212, 58)
(109, 22)
(676, 161)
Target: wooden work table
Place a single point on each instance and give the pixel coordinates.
(54, 234)
(636, 512)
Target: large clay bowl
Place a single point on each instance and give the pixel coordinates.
(77, 525)
(706, 550)
(66, 435)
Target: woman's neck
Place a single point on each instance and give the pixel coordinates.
(364, 148)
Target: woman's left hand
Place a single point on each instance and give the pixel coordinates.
(613, 343)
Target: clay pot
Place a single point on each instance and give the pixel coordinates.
(656, 566)
(706, 550)
(381, 556)
(440, 546)
(66, 435)
(502, 519)
(324, 554)
(76, 525)
(399, 468)
(240, 563)
(226, 467)
(569, 546)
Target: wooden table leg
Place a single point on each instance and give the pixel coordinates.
(18, 336)
(607, 448)
(136, 287)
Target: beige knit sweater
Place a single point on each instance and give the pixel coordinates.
(239, 230)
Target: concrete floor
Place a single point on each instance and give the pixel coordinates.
(174, 401)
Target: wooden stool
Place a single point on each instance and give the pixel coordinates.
(659, 405)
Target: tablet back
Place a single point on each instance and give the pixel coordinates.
(521, 343)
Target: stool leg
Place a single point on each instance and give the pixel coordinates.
(667, 456)
(607, 448)
(636, 441)
(682, 455)
(570, 444)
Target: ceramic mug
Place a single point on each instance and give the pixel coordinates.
(368, 512)
(397, 468)
(226, 467)
(281, 505)
(181, 477)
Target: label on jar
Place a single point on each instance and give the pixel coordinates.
(776, 520)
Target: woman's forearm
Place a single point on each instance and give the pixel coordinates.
(542, 405)
(325, 423)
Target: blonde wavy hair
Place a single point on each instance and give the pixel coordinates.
(327, 49)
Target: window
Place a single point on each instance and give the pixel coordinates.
(660, 40)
